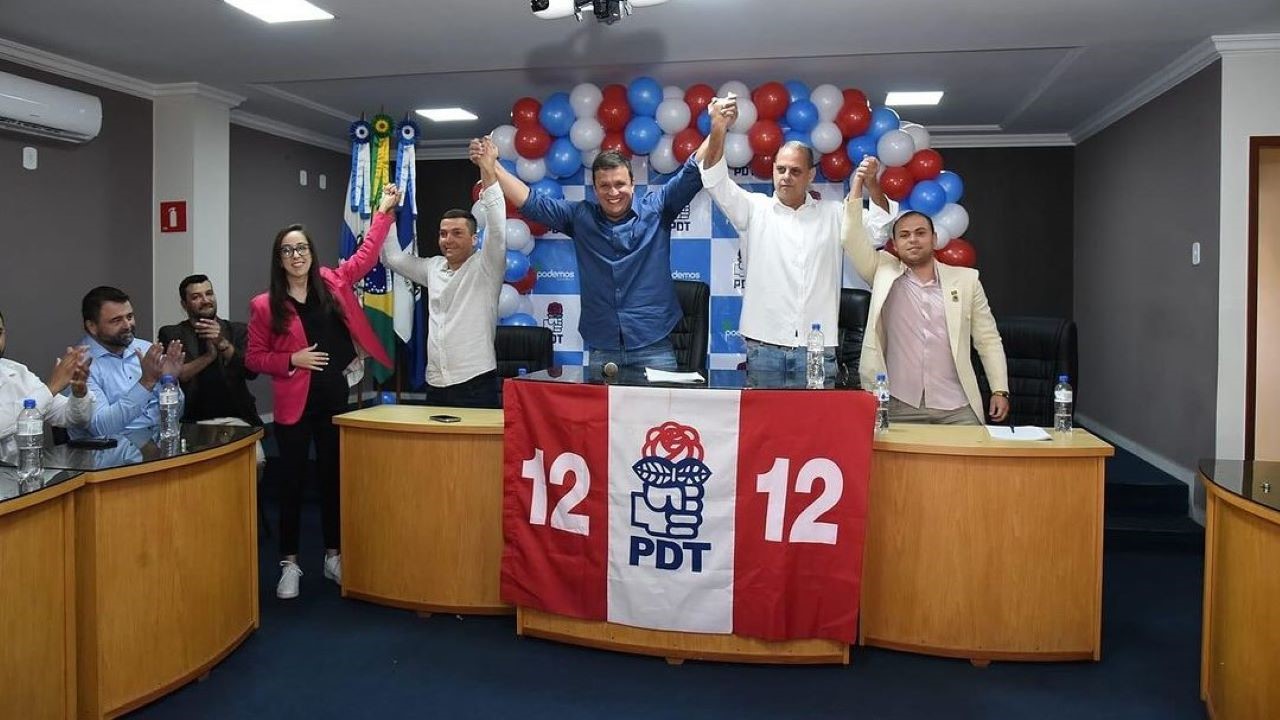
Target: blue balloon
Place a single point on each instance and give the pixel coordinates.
(797, 136)
(643, 134)
(644, 94)
(517, 266)
(704, 123)
(562, 159)
(546, 187)
(508, 165)
(860, 147)
(802, 115)
(952, 184)
(928, 197)
(904, 205)
(557, 115)
(519, 320)
(883, 119)
(798, 90)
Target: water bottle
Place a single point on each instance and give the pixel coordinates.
(30, 441)
(169, 412)
(881, 389)
(815, 369)
(1062, 398)
(521, 372)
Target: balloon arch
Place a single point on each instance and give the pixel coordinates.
(558, 137)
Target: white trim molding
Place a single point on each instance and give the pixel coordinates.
(288, 132)
(74, 69)
(200, 90)
(1162, 463)
(976, 140)
(1235, 44)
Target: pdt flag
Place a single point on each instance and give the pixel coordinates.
(693, 510)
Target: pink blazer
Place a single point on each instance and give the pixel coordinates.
(269, 353)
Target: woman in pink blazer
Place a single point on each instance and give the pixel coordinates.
(310, 334)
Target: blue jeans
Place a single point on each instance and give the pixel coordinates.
(771, 366)
(659, 356)
(480, 391)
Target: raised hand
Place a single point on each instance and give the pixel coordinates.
(152, 365)
(723, 112)
(390, 198)
(64, 369)
(80, 378)
(865, 173)
(309, 358)
(171, 361)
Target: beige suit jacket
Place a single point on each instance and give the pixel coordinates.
(969, 318)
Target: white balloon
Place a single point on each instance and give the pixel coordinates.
(477, 211)
(738, 88)
(672, 115)
(585, 100)
(671, 92)
(530, 171)
(746, 116)
(663, 158)
(919, 134)
(826, 137)
(895, 148)
(941, 236)
(586, 133)
(504, 137)
(524, 304)
(517, 235)
(508, 301)
(829, 100)
(954, 218)
(737, 150)
(589, 157)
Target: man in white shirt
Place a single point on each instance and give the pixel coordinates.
(462, 294)
(17, 383)
(790, 248)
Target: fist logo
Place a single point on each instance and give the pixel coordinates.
(672, 474)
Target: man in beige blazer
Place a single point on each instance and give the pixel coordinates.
(924, 315)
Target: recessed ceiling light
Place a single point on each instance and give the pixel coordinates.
(280, 11)
(452, 114)
(930, 97)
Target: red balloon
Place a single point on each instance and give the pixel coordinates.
(854, 96)
(854, 119)
(925, 164)
(836, 165)
(698, 97)
(762, 166)
(765, 137)
(525, 284)
(615, 141)
(525, 112)
(614, 114)
(897, 183)
(532, 142)
(685, 143)
(771, 99)
(615, 91)
(958, 252)
(475, 192)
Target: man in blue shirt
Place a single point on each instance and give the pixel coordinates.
(125, 375)
(623, 246)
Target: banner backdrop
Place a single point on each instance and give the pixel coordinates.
(693, 510)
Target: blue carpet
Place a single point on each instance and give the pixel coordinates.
(320, 656)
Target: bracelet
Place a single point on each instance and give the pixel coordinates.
(1001, 393)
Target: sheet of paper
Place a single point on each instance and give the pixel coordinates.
(654, 375)
(1021, 432)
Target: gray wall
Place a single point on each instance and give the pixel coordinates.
(1146, 188)
(82, 219)
(266, 196)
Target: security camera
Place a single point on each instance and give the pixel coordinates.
(554, 9)
(604, 11)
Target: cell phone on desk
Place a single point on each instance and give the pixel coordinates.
(99, 443)
(445, 418)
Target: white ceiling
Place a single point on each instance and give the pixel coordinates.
(1024, 67)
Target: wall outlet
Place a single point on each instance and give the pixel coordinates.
(30, 158)
(1195, 253)
(324, 182)
(302, 178)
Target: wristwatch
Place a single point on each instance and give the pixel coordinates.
(1001, 393)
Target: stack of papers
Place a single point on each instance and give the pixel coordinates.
(1021, 432)
(654, 375)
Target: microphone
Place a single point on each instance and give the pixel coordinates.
(610, 370)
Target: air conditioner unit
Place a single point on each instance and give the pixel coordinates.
(35, 108)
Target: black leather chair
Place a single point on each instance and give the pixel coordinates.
(522, 347)
(855, 305)
(690, 335)
(1037, 350)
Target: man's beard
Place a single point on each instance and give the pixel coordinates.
(208, 313)
(120, 340)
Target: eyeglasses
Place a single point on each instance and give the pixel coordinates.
(288, 251)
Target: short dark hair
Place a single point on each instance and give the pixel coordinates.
(800, 147)
(93, 301)
(894, 231)
(189, 281)
(459, 213)
(608, 160)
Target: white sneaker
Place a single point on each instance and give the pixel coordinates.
(288, 586)
(333, 567)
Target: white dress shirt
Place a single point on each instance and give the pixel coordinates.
(462, 304)
(17, 383)
(792, 259)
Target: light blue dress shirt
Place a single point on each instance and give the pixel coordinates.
(120, 403)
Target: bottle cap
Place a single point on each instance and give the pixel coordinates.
(1062, 378)
(166, 379)
(817, 326)
(29, 404)
(880, 377)
(522, 372)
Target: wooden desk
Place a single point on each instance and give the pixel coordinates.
(1240, 661)
(983, 549)
(166, 557)
(38, 602)
(422, 508)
